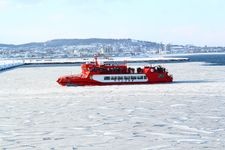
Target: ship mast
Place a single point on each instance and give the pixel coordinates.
(96, 60)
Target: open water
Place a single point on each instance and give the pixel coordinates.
(209, 59)
(37, 113)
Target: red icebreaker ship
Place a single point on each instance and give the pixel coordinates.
(94, 73)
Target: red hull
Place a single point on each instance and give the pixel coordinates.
(107, 74)
(75, 81)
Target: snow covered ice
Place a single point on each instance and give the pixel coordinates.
(37, 113)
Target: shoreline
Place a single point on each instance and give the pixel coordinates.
(59, 62)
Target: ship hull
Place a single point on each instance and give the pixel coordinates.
(110, 80)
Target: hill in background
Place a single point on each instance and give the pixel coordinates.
(67, 48)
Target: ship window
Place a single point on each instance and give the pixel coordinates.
(161, 76)
(140, 77)
(113, 78)
(120, 78)
(106, 78)
(145, 77)
(133, 77)
(127, 77)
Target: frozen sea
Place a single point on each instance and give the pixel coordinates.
(37, 113)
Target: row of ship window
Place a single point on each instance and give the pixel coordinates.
(125, 77)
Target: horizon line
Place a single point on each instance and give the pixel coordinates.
(164, 43)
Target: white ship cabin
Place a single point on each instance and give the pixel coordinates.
(121, 78)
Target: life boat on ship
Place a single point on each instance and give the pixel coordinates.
(94, 73)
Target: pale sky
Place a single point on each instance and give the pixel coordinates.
(198, 22)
